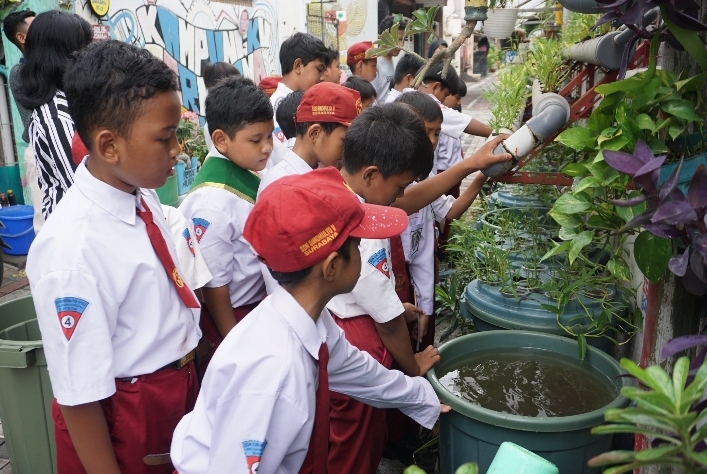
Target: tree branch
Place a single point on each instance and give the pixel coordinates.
(446, 55)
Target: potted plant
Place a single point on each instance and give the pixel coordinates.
(507, 98)
(501, 21)
(190, 135)
(547, 64)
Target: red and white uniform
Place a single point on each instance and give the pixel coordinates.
(218, 216)
(255, 412)
(108, 312)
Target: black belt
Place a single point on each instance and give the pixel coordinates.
(178, 364)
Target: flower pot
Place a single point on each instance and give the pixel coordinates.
(492, 311)
(689, 166)
(501, 22)
(470, 433)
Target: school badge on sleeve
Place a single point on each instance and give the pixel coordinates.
(200, 226)
(187, 236)
(280, 135)
(69, 311)
(253, 452)
(380, 261)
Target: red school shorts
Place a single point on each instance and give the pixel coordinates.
(141, 417)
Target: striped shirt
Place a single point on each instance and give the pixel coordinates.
(51, 131)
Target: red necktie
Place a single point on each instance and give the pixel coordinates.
(160, 246)
(316, 460)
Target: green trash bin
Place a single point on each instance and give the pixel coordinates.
(25, 391)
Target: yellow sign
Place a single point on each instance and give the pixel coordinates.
(100, 7)
(475, 3)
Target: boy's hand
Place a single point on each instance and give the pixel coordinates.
(411, 312)
(427, 358)
(484, 157)
(444, 408)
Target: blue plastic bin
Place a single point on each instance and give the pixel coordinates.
(19, 231)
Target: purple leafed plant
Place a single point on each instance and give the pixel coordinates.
(669, 212)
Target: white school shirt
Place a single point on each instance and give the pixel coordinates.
(448, 152)
(374, 293)
(291, 164)
(255, 411)
(105, 305)
(279, 142)
(196, 272)
(386, 72)
(419, 246)
(454, 123)
(392, 95)
(219, 216)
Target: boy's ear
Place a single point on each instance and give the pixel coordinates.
(218, 138)
(369, 174)
(297, 65)
(330, 266)
(105, 146)
(314, 131)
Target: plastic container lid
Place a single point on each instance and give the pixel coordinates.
(16, 213)
(514, 459)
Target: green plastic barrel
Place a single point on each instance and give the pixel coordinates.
(491, 310)
(169, 193)
(25, 391)
(470, 433)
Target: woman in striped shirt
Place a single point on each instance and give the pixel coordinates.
(51, 39)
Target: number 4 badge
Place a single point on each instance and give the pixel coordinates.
(69, 310)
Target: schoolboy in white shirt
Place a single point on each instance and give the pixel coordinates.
(119, 323)
(304, 60)
(264, 404)
(241, 120)
(321, 120)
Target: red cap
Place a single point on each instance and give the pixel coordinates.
(357, 52)
(299, 220)
(269, 84)
(329, 102)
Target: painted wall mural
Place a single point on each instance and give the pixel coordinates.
(186, 33)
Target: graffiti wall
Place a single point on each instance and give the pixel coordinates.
(187, 34)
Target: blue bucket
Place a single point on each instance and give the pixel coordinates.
(18, 232)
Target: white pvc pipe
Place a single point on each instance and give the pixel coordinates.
(5, 125)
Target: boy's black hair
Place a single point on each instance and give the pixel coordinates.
(391, 137)
(53, 36)
(423, 104)
(333, 54)
(235, 103)
(292, 278)
(364, 87)
(107, 84)
(387, 23)
(305, 47)
(213, 73)
(285, 114)
(408, 64)
(328, 127)
(451, 81)
(462, 88)
(11, 24)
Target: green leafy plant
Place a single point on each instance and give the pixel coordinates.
(190, 136)
(447, 295)
(467, 468)
(579, 28)
(508, 96)
(668, 411)
(547, 64)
